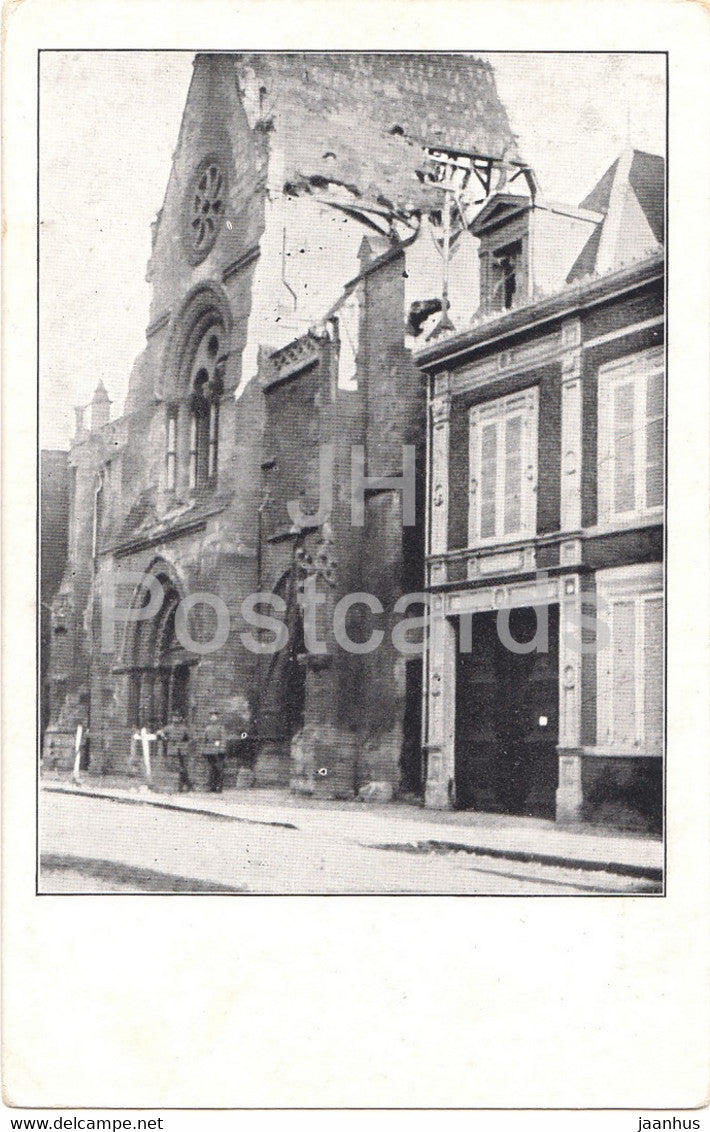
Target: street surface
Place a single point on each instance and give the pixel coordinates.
(92, 845)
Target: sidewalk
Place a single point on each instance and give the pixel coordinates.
(402, 826)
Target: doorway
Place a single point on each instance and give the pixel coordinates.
(412, 778)
(181, 691)
(506, 757)
(159, 666)
(280, 709)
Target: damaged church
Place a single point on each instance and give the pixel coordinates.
(300, 230)
(349, 271)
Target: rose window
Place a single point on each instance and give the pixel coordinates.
(205, 207)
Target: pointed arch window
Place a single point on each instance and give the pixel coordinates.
(171, 447)
(206, 388)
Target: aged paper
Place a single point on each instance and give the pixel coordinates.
(490, 262)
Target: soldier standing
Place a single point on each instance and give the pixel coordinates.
(214, 749)
(176, 737)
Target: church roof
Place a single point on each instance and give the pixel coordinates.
(358, 119)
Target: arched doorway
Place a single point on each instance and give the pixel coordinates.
(158, 666)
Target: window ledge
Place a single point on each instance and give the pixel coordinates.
(633, 523)
(513, 542)
(620, 753)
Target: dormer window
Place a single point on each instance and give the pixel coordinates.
(505, 275)
(504, 228)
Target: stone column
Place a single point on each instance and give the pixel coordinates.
(441, 710)
(569, 792)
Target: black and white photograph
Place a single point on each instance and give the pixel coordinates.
(356, 392)
(351, 473)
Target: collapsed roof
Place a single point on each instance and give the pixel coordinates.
(366, 122)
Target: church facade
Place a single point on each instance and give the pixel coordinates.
(297, 253)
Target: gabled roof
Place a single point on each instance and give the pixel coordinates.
(503, 206)
(631, 197)
(499, 208)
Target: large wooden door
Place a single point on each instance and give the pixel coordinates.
(507, 719)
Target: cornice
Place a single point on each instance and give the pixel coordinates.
(572, 299)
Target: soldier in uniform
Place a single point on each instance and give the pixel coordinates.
(214, 749)
(240, 740)
(176, 737)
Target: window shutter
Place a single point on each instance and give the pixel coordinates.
(503, 461)
(624, 480)
(623, 676)
(653, 673)
(631, 435)
(512, 518)
(488, 478)
(630, 708)
(654, 439)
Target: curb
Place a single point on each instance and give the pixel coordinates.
(144, 801)
(527, 856)
(639, 872)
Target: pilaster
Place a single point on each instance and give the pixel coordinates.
(571, 428)
(569, 791)
(440, 413)
(441, 709)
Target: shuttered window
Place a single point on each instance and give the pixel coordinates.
(654, 439)
(503, 462)
(630, 661)
(631, 433)
(653, 671)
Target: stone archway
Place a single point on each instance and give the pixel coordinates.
(158, 666)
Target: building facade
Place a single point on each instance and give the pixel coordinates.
(54, 519)
(544, 682)
(296, 253)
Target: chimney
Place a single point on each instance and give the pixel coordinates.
(78, 420)
(100, 408)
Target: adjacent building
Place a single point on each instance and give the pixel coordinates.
(544, 680)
